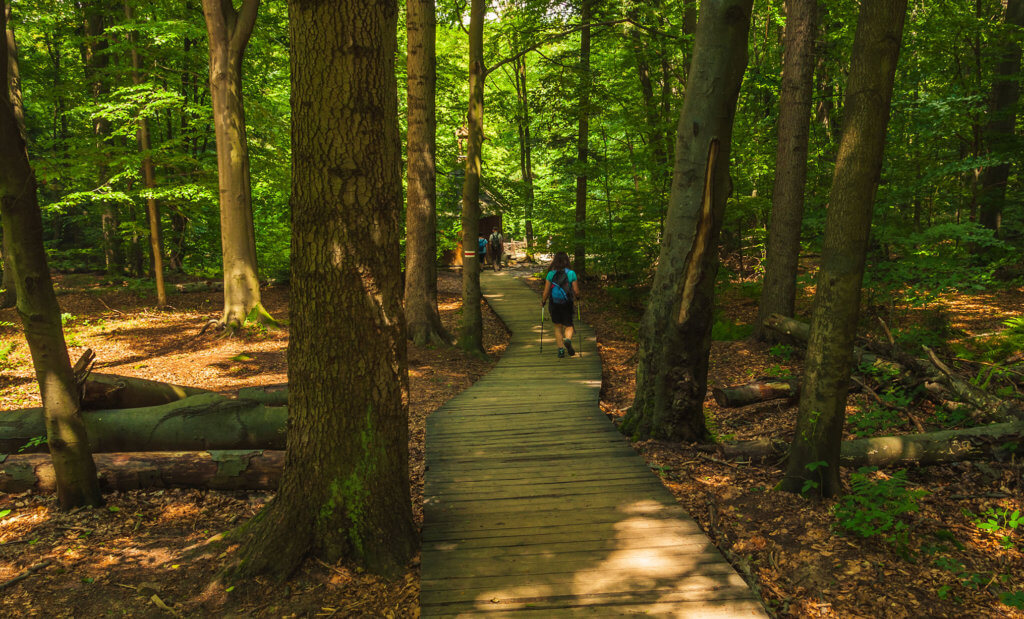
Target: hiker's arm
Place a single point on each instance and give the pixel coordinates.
(576, 288)
(547, 292)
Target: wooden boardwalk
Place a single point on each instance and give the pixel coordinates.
(535, 505)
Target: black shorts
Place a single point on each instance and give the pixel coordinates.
(561, 313)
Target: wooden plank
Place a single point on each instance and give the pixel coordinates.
(513, 538)
(596, 514)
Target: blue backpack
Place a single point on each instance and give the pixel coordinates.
(561, 292)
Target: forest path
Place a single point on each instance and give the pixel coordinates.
(536, 505)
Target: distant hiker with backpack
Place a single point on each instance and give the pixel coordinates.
(481, 249)
(562, 287)
(495, 247)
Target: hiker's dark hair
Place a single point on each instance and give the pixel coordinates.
(561, 261)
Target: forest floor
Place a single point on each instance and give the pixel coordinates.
(129, 557)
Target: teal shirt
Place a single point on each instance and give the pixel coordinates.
(569, 273)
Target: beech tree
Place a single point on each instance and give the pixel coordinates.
(344, 492)
(778, 294)
(12, 85)
(583, 139)
(814, 456)
(471, 329)
(675, 333)
(423, 321)
(37, 306)
(228, 30)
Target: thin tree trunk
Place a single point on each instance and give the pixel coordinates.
(471, 331)
(229, 32)
(344, 493)
(876, 49)
(148, 180)
(40, 314)
(97, 59)
(1002, 119)
(675, 335)
(583, 142)
(423, 320)
(779, 292)
(13, 87)
(525, 149)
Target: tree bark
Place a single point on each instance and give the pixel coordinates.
(344, 493)
(675, 336)
(423, 320)
(13, 86)
(583, 142)
(228, 31)
(906, 450)
(1002, 120)
(148, 180)
(75, 472)
(201, 421)
(120, 472)
(471, 329)
(822, 409)
(779, 291)
(104, 391)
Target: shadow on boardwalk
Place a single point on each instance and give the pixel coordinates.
(536, 505)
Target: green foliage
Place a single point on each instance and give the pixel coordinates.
(782, 351)
(6, 348)
(725, 330)
(997, 521)
(4, 513)
(35, 441)
(874, 508)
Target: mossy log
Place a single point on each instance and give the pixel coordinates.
(761, 390)
(218, 470)
(199, 422)
(982, 442)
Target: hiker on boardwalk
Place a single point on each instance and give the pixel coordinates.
(563, 288)
(495, 247)
(481, 248)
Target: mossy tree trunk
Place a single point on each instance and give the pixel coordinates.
(814, 457)
(148, 177)
(779, 292)
(423, 320)
(228, 31)
(675, 333)
(40, 314)
(471, 331)
(344, 492)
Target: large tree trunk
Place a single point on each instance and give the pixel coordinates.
(344, 493)
(422, 317)
(876, 49)
(471, 331)
(148, 179)
(201, 421)
(779, 292)
(40, 314)
(1002, 119)
(905, 450)
(583, 142)
(9, 297)
(229, 32)
(120, 472)
(675, 336)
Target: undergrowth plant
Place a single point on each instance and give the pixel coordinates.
(874, 508)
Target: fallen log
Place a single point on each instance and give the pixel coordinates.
(982, 442)
(218, 470)
(927, 370)
(104, 391)
(196, 423)
(761, 390)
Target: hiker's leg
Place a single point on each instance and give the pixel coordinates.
(559, 330)
(569, 331)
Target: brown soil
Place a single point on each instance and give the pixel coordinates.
(130, 557)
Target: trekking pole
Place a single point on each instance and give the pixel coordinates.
(580, 320)
(542, 329)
